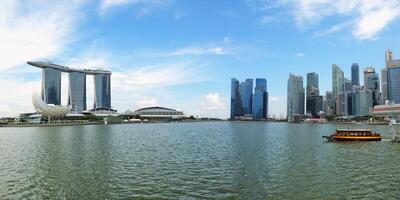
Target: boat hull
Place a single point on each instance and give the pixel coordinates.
(370, 138)
(351, 138)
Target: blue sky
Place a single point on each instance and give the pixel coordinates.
(182, 54)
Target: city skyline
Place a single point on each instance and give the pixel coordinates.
(182, 54)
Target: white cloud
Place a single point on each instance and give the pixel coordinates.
(35, 29)
(106, 5)
(227, 40)
(367, 17)
(214, 50)
(213, 105)
(155, 76)
(17, 96)
(146, 102)
(300, 55)
(179, 14)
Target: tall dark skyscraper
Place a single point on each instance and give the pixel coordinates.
(355, 75)
(394, 84)
(295, 97)
(260, 100)
(102, 91)
(51, 86)
(236, 102)
(77, 91)
(246, 93)
(314, 102)
(371, 82)
(312, 84)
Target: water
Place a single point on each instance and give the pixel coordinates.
(232, 160)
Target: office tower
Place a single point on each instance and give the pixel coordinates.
(314, 105)
(295, 96)
(394, 84)
(312, 84)
(388, 57)
(314, 102)
(51, 86)
(390, 62)
(347, 85)
(371, 82)
(246, 93)
(77, 91)
(260, 100)
(102, 91)
(236, 102)
(362, 102)
(337, 86)
(384, 85)
(328, 103)
(355, 75)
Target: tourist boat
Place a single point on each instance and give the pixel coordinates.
(353, 135)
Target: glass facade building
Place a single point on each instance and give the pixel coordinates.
(362, 102)
(77, 91)
(236, 102)
(394, 84)
(295, 96)
(384, 85)
(355, 74)
(260, 100)
(246, 93)
(312, 84)
(314, 105)
(102, 91)
(371, 82)
(337, 86)
(51, 86)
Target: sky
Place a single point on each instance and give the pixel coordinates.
(182, 53)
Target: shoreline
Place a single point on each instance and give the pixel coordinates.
(184, 121)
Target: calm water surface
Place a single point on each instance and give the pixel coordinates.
(232, 160)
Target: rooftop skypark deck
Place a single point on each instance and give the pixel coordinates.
(68, 69)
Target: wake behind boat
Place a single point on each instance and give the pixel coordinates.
(353, 135)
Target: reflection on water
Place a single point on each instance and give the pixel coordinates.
(251, 160)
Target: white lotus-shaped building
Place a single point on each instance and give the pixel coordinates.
(48, 110)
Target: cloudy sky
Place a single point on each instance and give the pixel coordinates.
(182, 53)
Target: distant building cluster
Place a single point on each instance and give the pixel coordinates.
(51, 86)
(246, 104)
(348, 97)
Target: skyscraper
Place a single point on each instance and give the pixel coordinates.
(355, 75)
(337, 86)
(236, 102)
(246, 93)
(384, 85)
(314, 102)
(312, 84)
(51, 86)
(77, 91)
(371, 82)
(328, 103)
(102, 88)
(394, 84)
(362, 102)
(295, 96)
(260, 100)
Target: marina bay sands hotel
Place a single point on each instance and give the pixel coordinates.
(51, 86)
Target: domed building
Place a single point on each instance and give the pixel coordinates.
(155, 113)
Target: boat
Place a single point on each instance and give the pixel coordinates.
(353, 135)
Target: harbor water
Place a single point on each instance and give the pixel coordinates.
(199, 160)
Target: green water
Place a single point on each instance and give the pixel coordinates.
(210, 160)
